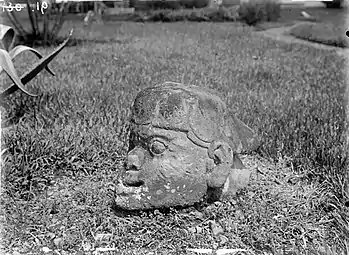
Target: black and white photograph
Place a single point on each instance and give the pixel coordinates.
(174, 127)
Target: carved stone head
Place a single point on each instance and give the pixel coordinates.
(183, 147)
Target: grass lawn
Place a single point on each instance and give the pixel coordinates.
(325, 33)
(290, 15)
(71, 141)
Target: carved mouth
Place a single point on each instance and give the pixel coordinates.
(135, 184)
(122, 189)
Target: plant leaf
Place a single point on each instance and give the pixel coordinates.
(21, 48)
(7, 65)
(7, 36)
(28, 76)
(3, 152)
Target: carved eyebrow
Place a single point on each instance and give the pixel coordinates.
(166, 138)
(146, 138)
(154, 134)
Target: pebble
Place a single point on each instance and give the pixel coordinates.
(197, 214)
(215, 228)
(223, 239)
(58, 242)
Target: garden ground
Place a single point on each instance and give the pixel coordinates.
(70, 142)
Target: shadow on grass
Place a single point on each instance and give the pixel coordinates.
(73, 42)
(199, 206)
(210, 198)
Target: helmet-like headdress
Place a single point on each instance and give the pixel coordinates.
(194, 110)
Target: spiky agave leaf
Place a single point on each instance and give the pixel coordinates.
(3, 152)
(7, 66)
(21, 48)
(7, 36)
(28, 76)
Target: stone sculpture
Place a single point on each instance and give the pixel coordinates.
(183, 148)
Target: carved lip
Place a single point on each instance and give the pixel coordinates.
(121, 189)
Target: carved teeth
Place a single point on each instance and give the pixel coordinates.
(121, 189)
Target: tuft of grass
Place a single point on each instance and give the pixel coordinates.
(69, 143)
(325, 33)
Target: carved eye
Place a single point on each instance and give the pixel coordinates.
(157, 147)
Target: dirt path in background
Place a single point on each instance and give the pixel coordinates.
(280, 34)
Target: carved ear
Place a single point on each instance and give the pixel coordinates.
(221, 153)
(225, 164)
(226, 179)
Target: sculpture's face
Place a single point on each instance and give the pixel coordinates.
(181, 143)
(164, 168)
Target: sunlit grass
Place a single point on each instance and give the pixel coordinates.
(325, 33)
(71, 140)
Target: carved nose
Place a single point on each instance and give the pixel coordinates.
(133, 163)
(133, 166)
(135, 160)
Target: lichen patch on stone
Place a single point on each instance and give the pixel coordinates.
(137, 196)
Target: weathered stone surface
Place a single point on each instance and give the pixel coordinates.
(183, 147)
